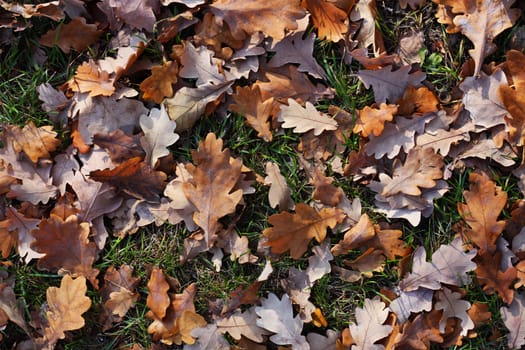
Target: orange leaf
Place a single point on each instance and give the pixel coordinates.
(372, 120)
(134, 177)
(89, 78)
(158, 299)
(249, 103)
(353, 238)
(420, 101)
(35, 142)
(293, 232)
(484, 202)
(328, 19)
(66, 247)
(159, 84)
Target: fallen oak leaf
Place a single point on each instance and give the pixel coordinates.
(66, 306)
(76, 35)
(249, 103)
(328, 18)
(90, 78)
(513, 317)
(212, 188)
(453, 306)
(371, 120)
(305, 119)
(35, 142)
(482, 22)
(484, 203)
(135, 178)
(449, 265)
(279, 194)
(160, 83)
(159, 133)
(294, 232)
(66, 246)
(369, 327)
(272, 17)
(276, 316)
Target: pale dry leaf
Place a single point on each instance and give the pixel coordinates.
(453, 306)
(513, 317)
(328, 342)
(449, 265)
(396, 135)
(200, 64)
(421, 168)
(364, 11)
(159, 133)
(305, 119)
(279, 193)
(369, 327)
(189, 104)
(482, 22)
(390, 85)
(482, 100)
(208, 337)
(242, 324)
(294, 49)
(66, 306)
(414, 301)
(276, 316)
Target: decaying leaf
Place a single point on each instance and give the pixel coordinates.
(449, 265)
(369, 327)
(276, 316)
(66, 246)
(328, 19)
(482, 22)
(305, 119)
(271, 17)
(159, 84)
(159, 133)
(484, 203)
(371, 120)
(212, 186)
(66, 306)
(76, 35)
(279, 194)
(514, 319)
(293, 232)
(453, 306)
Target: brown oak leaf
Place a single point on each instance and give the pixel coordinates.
(328, 18)
(76, 35)
(294, 231)
(417, 100)
(66, 246)
(490, 276)
(305, 119)
(119, 145)
(484, 203)
(245, 17)
(160, 83)
(279, 194)
(135, 178)
(324, 191)
(90, 78)
(35, 142)
(372, 120)
(249, 103)
(354, 238)
(212, 188)
(482, 21)
(66, 305)
(118, 294)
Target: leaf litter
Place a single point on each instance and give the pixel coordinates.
(114, 171)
